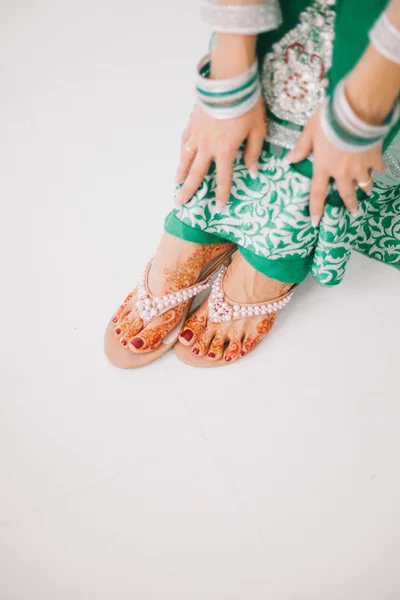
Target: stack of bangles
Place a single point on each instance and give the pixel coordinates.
(343, 128)
(230, 98)
(227, 98)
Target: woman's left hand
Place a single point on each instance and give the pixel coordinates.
(348, 169)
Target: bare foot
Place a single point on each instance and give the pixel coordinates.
(230, 340)
(176, 265)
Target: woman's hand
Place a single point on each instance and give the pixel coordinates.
(347, 168)
(207, 139)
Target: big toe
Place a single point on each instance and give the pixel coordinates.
(194, 326)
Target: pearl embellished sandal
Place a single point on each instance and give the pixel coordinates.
(221, 309)
(150, 307)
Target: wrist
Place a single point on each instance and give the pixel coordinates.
(232, 55)
(370, 95)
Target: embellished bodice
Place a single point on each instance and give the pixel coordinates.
(294, 73)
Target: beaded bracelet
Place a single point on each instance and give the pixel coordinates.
(385, 38)
(244, 20)
(227, 98)
(345, 130)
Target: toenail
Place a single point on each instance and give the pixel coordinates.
(124, 342)
(228, 358)
(115, 320)
(187, 335)
(118, 331)
(137, 343)
(211, 354)
(195, 351)
(242, 353)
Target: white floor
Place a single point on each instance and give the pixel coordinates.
(277, 478)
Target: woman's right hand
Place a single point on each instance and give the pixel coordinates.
(206, 139)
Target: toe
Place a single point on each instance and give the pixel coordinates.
(123, 310)
(135, 328)
(151, 336)
(233, 350)
(216, 348)
(203, 342)
(249, 342)
(125, 324)
(194, 326)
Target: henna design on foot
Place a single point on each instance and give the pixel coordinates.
(151, 337)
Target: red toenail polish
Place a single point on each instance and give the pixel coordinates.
(118, 331)
(115, 320)
(187, 335)
(196, 351)
(242, 353)
(228, 358)
(124, 342)
(211, 354)
(137, 343)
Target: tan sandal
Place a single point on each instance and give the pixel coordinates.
(151, 306)
(221, 309)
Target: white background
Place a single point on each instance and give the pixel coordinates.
(277, 478)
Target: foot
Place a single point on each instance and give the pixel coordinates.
(230, 340)
(176, 265)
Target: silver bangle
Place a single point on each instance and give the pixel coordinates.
(351, 122)
(245, 20)
(221, 100)
(336, 140)
(219, 86)
(385, 38)
(232, 112)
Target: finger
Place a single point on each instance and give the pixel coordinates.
(347, 193)
(253, 150)
(197, 172)
(224, 178)
(364, 182)
(318, 194)
(188, 154)
(303, 147)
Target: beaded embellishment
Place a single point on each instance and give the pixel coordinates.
(150, 306)
(221, 309)
(294, 73)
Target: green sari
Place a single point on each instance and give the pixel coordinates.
(268, 216)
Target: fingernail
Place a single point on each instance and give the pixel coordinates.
(219, 205)
(314, 221)
(195, 351)
(137, 343)
(124, 342)
(253, 171)
(228, 358)
(355, 212)
(211, 354)
(187, 335)
(290, 157)
(118, 331)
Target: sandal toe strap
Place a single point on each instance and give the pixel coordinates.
(150, 306)
(221, 309)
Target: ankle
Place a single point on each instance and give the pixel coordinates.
(244, 284)
(178, 263)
